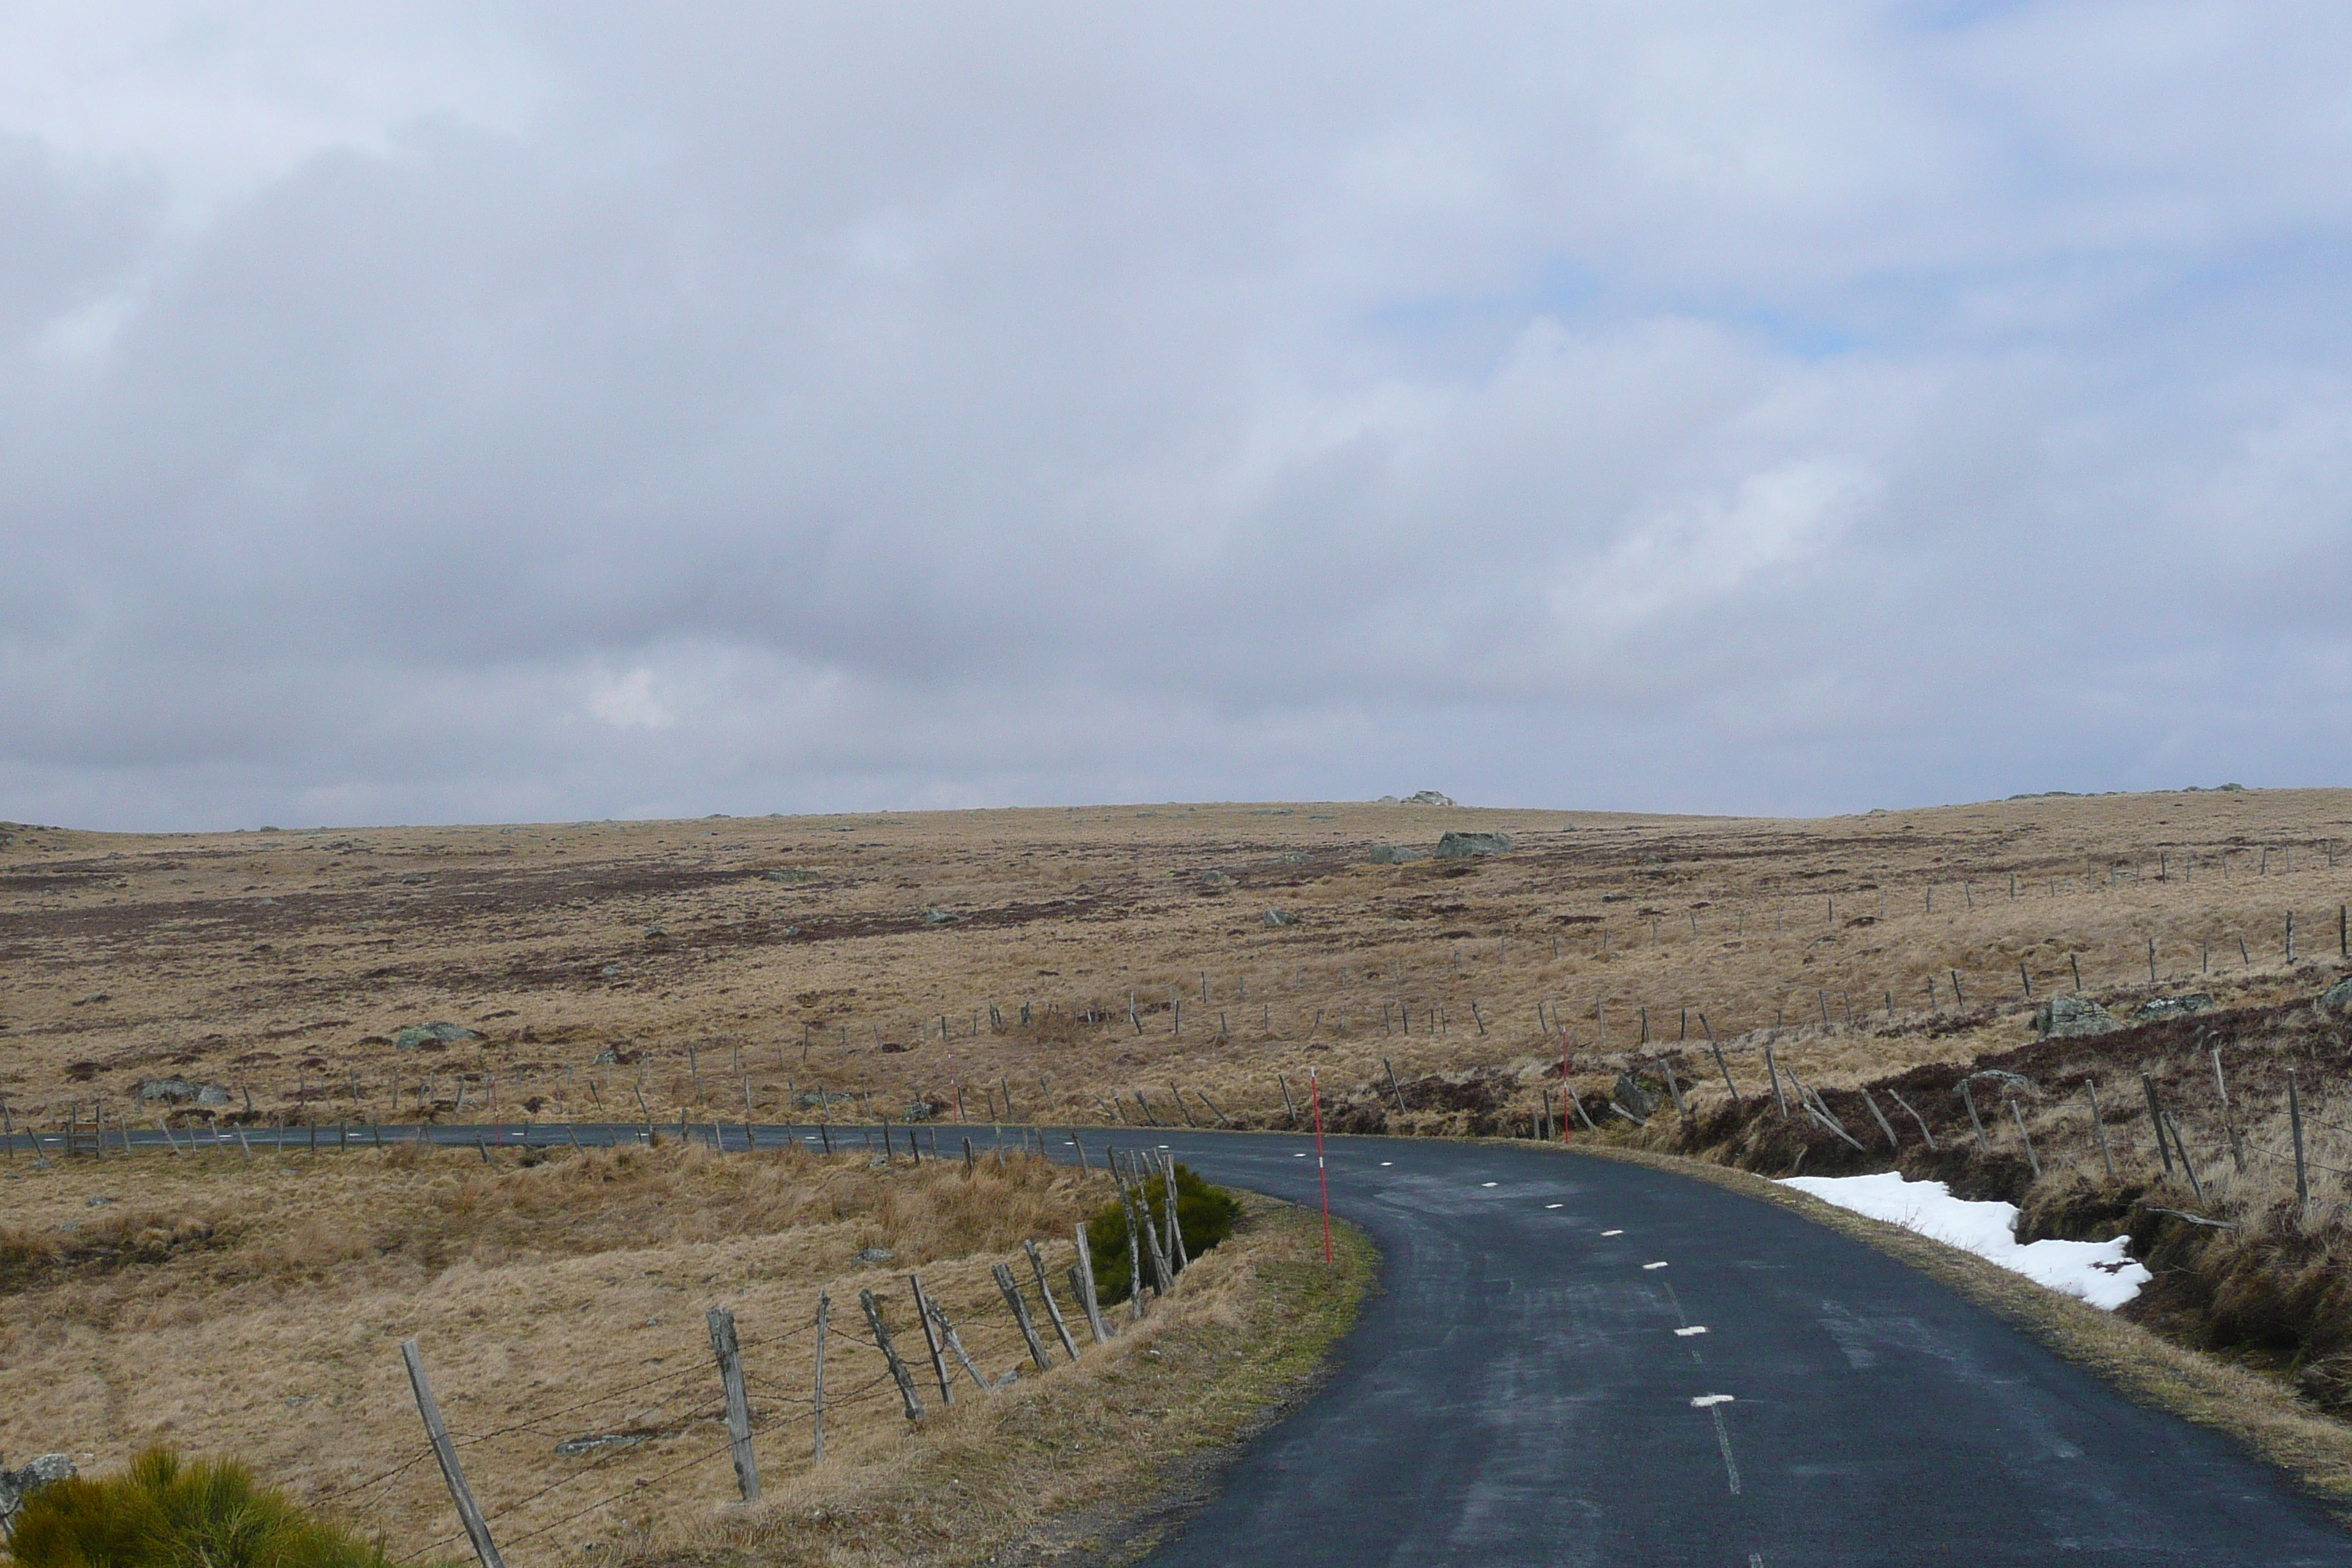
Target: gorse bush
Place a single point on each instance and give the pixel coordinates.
(1205, 1214)
(165, 1513)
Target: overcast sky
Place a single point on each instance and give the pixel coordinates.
(417, 412)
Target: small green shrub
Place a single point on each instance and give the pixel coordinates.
(1206, 1214)
(165, 1513)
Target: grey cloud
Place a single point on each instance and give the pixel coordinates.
(726, 408)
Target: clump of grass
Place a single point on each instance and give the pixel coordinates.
(164, 1512)
(1206, 1214)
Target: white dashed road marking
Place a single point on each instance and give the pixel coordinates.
(1694, 1329)
(1487, 1183)
(1647, 1266)
(1612, 1233)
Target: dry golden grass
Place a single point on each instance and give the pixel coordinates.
(281, 964)
(256, 1309)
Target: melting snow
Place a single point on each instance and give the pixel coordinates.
(2099, 1272)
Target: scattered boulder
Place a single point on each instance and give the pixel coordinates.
(2174, 1006)
(1216, 879)
(1428, 797)
(2062, 1017)
(572, 1448)
(1629, 1094)
(15, 1486)
(180, 1092)
(874, 1254)
(417, 1035)
(1277, 918)
(791, 875)
(935, 916)
(1391, 855)
(2336, 1000)
(1465, 846)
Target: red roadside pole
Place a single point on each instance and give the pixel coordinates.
(1315, 1093)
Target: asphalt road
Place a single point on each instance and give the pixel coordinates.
(1574, 1361)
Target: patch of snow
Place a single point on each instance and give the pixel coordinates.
(2099, 1272)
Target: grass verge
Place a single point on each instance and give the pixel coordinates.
(1095, 1463)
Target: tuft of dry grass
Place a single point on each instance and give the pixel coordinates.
(256, 1309)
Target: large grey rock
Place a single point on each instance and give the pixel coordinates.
(180, 1091)
(1392, 855)
(1629, 1094)
(1428, 797)
(2336, 1000)
(1277, 918)
(1465, 845)
(417, 1035)
(2067, 1015)
(2173, 1006)
(15, 1486)
(935, 916)
(1216, 879)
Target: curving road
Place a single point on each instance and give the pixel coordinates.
(1574, 1361)
(1529, 1389)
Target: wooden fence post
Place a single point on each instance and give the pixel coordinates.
(1083, 1271)
(816, 1404)
(2294, 1122)
(724, 1345)
(955, 1344)
(1880, 1117)
(898, 1372)
(1289, 1107)
(478, 1529)
(1011, 1290)
(2099, 1126)
(1983, 1144)
(1772, 1070)
(1177, 1255)
(1393, 1089)
(1722, 1066)
(2186, 1165)
(1134, 1245)
(1925, 1136)
(2155, 1120)
(2030, 1159)
(1053, 1308)
(932, 1340)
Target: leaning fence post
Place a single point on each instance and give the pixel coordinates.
(1721, 1066)
(2181, 1144)
(816, 1404)
(1883, 1125)
(723, 1345)
(1083, 1270)
(1983, 1143)
(1011, 1288)
(2030, 1158)
(1053, 1308)
(2155, 1120)
(931, 1339)
(898, 1372)
(478, 1529)
(1927, 1137)
(2294, 1122)
(1772, 1070)
(1134, 1245)
(2099, 1126)
(1175, 1227)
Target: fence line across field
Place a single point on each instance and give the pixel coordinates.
(1154, 1270)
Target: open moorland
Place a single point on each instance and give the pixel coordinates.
(1198, 963)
